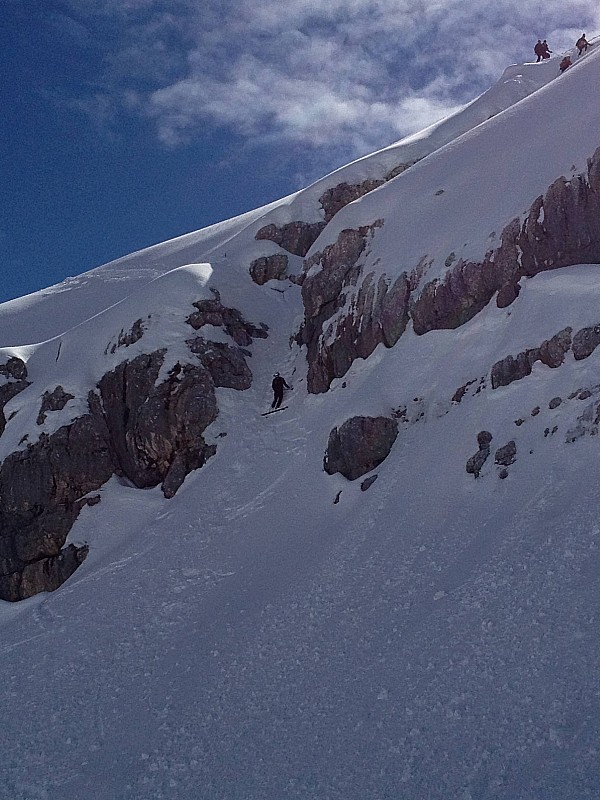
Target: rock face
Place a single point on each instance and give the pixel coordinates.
(585, 342)
(476, 462)
(226, 365)
(16, 373)
(298, 237)
(506, 455)
(127, 338)
(213, 312)
(334, 199)
(359, 445)
(295, 237)
(376, 314)
(551, 353)
(41, 490)
(156, 431)
(269, 268)
(147, 432)
(14, 369)
(55, 400)
(562, 228)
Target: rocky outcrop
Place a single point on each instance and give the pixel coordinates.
(14, 369)
(374, 311)
(298, 237)
(359, 445)
(334, 199)
(562, 228)
(127, 338)
(42, 490)
(551, 353)
(213, 312)
(295, 237)
(156, 431)
(55, 400)
(226, 365)
(476, 462)
(507, 455)
(585, 342)
(269, 268)
(16, 373)
(148, 432)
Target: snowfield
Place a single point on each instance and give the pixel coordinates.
(433, 637)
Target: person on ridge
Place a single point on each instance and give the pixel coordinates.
(539, 50)
(582, 44)
(565, 63)
(278, 386)
(546, 50)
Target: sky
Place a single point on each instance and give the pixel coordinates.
(128, 122)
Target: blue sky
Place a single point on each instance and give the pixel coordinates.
(128, 122)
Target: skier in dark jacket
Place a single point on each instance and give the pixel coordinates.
(546, 50)
(539, 50)
(278, 386)
(565, 63)
(582, 44)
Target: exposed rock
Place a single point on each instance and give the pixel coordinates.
(555, 402)
(269, 268)
(506, 455)
(47, 574)
(587, 423)
(15, 371)
(339, 196)
(584, 394)
(127, 338)
(476, 462)
(503, 474)
(213, 312)
(374, 312)
(295, 237)
(535, 411)
(585, 342)
(551, 353)
(368, 482)
(567, 233)
(484, 438)
(55, 400)
(151, 434)
(14, 368)
(226, 364)
(7, 392)
(156, 431)
(519, 422)
(359, 445)
(41, 491)
(398, 170)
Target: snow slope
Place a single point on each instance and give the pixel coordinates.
(230, 244)
(433, 637)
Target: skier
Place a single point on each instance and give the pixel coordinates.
(539, 50)
(565, 63)
(278, 386)
(546, 50)
(582, 44)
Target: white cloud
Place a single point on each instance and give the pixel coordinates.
(353, 74)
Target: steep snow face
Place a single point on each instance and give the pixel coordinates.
(273, 631)
(230, 245)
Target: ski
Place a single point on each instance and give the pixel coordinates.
(273, 411)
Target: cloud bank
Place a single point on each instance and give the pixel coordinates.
(343, 75)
